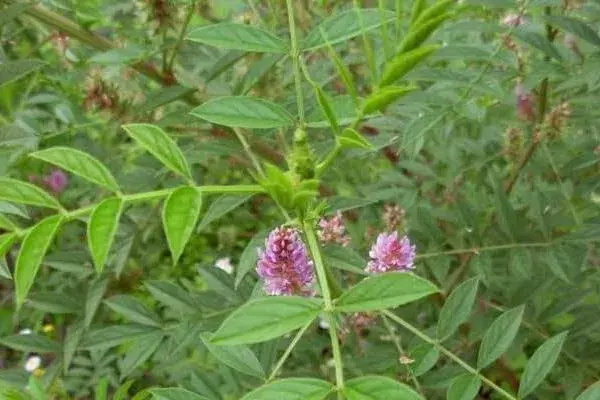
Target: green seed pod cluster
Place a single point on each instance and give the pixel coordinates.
(302, 158)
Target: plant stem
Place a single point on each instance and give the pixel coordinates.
(313, 245)
(535, 142)
(256, 12)
(415, 331)
(399, 17)
(477, 250)
(288, 351)
(367, 45)
(295, 55)
(322, 167)
(387, 47)
(563, 190)
(398, 344)
(532, 327)
(188, 18)
(249, 152)
(153, 195)
(72, 29)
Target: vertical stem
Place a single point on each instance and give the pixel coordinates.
(543, 99)
(399, 16)
(313, 245)
(295, 55)
(367, 44)
(175, 50)
(165, 55)
(387, 48)
(576, 217)
(273, 13)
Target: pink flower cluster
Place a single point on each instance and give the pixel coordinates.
(391, 253)
(284, 265)
(333, 230)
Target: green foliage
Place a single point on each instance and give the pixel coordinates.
(149, 150)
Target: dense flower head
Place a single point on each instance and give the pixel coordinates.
(284, 264)
(333, 230)
(391, 253)
(57, 181)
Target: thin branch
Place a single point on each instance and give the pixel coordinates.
(72, 29)
(179, 42)
(417, 332)
(288, 351)
(401, 352)
(295, 55)
(477, 250)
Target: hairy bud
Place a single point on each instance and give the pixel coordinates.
(302, 159)
(556, 120)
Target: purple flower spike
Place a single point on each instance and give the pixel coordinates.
(57, 181)
(284, 264)
(391, 254)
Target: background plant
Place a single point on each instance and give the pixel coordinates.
(144, 142)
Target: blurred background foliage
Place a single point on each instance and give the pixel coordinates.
(494, 162)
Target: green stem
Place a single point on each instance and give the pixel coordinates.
(156, 194)
(165, 52)
(399, 18)
(563, 190)
(415, 331)
(367, 44)
(295, 55)
(322, 167)
(257, 166)
(181, 36)
(398, 344)
(256, 12)
(288, 351)
(73, 30)
(532, 327)
(387, 47)
(313, 245)
(249, 152)
(477, 250)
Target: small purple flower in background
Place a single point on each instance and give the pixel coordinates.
(390, 253)
(57, 181)
(333, 230)
(284, 264)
